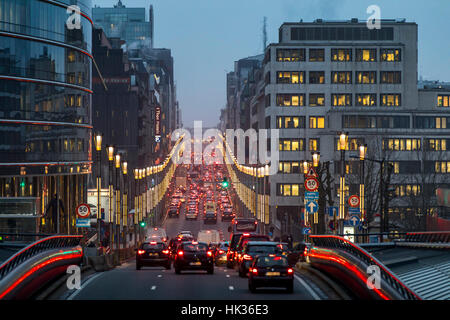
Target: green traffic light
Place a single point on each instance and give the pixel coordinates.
(22, 184)
(142, 224)
(224, 183)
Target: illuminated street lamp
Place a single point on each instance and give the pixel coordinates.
(305, 167)
(98, 148)
(110, 153)
(343, 141)
(117, 165)
(362, 157)
(316, 158)
(136, 204)
(125, 200)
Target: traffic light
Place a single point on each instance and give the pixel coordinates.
(22, 183)
(142, 224)
(225, 183)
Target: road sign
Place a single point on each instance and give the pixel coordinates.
(157, 139)
(83, 211)
(353, 201)
(354, 221)
(353, 211)
(312, 195)
(311, 207)
(349, 233)
(311, 184)
(333, 211)
(83, 223)
(311, 173)
(306, 230)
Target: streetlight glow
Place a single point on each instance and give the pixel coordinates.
(98, 142)
(110, 151)
(362, 152)
(117, 161)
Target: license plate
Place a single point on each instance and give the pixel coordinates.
(272, 274)
(195, 263)
(153, 254)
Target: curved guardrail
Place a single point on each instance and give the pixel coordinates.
(428, 237)
(52, 242)
(335, 242)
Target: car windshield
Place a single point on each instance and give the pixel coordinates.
(272, 261)
(262, 249)
(149, 246)
(195, 247)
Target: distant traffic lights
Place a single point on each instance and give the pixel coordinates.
(225, 183)
(142, 224)
(22, 183)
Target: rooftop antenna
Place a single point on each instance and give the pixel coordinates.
(264, 34)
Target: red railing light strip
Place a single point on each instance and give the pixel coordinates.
(370, 257)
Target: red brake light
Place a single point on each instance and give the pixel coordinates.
(153, 242)
(141, 251)
(254, 271)
(165, 251)
(221, 251)
(246, 234)
(180, 253)
(290, 271)
(247, 257)
(209, 253)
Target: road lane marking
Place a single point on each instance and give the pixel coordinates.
(228, 275)
(73, 295)
(153, 287)
(159, 275)
(231, 287)
(307, 287)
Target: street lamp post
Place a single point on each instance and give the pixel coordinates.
(125, 201)
(305, 172)
(110, 151)
(316, 158)
(136, 205)
(343, 141)
(98, 148)
(117, 165)
(362, 156)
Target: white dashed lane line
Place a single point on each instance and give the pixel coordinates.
(153, 287)
(231, 287)
(159, 275)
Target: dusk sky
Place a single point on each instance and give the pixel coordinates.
(207, 36)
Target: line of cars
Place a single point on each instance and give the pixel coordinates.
(267, 263)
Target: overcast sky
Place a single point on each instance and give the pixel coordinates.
(207, 36)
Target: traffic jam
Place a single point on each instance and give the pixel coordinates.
(206, 201)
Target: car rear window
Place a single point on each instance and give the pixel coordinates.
(262, 249)
(272, 261)
(148, 246)
(195, 247)
(234, 240)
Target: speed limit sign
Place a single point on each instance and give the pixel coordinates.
(83, 211)
(353, 201)
(311, 184)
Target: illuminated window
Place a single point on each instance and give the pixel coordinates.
(71, 56)
(316, 122)
(366, 77)
(314, 144)
(291, 145)
(317, 77)
(401, 144)
(437, 144)
(341, 54)
(443, 101)
(368, 55)
(391, 100)
(366, 99)
(290, 55)
(66, 145)
(290, 77)
(441, 123)
(390, 55)
(391, 77)
(396, 167)
(341, 100)
(295, 190)
(442, 166)
(287, 100)
(287, 190)
(316, 100)
(341, 77)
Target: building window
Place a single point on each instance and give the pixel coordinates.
(267, 100)
(341, 77)
(368, 55)
(391, 100)
(290, 122)
(423, 122)
(289, 167)
(290, 55)
(391, 77)
(443, 100)
(437, 144)
(368, 99)
(292, 145)
(316, 99)
(373, 122)
(290, 100)
(402, 190)
(341, 54)
(391, 55)
(316, 122)
(442, 167)
(314, 144)
(366, 77)
(352, 143)
(316, 55)
(288, 189)
(317, 77)
(341, 100)
(294, 77)
(71, 57)
(401, 144)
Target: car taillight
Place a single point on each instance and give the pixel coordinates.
(221, 251)
(141, 251)
(247, 257)
(165, 251)
(290, 271)
(209, 253)
(180, 253)
(254, 271)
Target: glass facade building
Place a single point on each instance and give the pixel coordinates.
(45, 103)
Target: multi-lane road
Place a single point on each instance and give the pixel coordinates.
(125, 282)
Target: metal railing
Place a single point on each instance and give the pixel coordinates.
(335, 242)
(52, 242)
(429, 237)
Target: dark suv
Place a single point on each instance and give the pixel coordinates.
(152, 254)
(193, 256)
(253, 249)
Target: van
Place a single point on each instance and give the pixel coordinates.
(211, 237)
